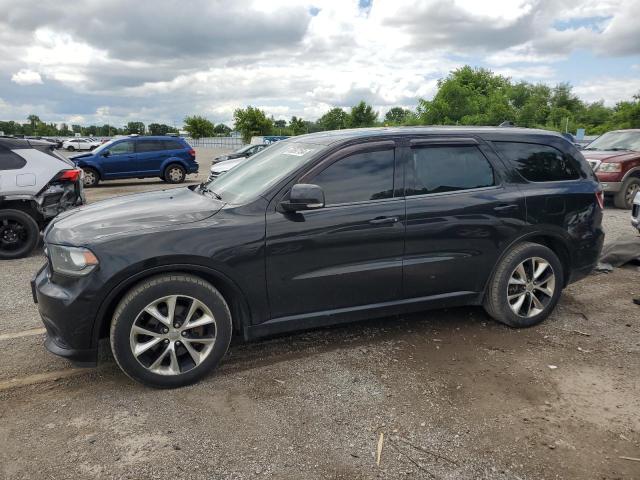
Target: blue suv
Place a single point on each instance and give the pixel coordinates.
(170, 158)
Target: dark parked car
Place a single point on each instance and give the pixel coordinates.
(615, 157)
(317, 230)
(243, 152)
(170, 158)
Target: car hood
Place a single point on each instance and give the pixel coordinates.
(227, 164)
(610, 155)
(95, 222)
(82, 155)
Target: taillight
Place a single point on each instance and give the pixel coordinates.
(600, 199)
(68, 175)
(192, 152)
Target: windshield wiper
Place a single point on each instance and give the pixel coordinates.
(205, 189)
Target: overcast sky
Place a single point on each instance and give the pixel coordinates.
(112, 61)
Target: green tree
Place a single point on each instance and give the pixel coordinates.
(397, 116)
(135, 128)
(221, 130)
(334, 119)
(362, 115)
(34, 121)
(198, 127)
(297, 126)
(160, 129)
(252, 121)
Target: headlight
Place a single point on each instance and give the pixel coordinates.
(610, 167)
(73, 261)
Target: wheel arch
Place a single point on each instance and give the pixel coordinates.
(171, 161)
(231, 292)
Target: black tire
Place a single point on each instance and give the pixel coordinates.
(19, 234)
(174, 173)
(71, 148)
(131, 309)
(624, 198)
(91, 177)
(496, 301)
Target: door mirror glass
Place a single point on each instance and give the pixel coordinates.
(106, 153)
(303, 196)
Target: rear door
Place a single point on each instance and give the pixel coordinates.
(461, 212)
(120, 160)
(347, 254)
(150, 155)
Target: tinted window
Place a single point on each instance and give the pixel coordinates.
(150, 146)
(122, 147)
(538, 163)
(10, 160)
(358, 178)
(447, 169)
(171, 145)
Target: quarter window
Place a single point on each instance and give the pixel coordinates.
(447, 169)
(10, 160)
(171, 145)
(538, 163)
(358, 178)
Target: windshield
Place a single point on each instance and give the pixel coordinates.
(104, 146)
(616, 141)
(243, 149)
(254, 176)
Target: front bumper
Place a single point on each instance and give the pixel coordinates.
(67, 317)
(611, 187)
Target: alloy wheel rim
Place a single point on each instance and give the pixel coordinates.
(175, 174)
(631, 192)
(89, 178)
(13, 234)
(173, 335)
(531, 287)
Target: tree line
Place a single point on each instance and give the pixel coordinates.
(467, 96)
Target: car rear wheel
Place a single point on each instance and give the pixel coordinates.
(525, 286)
(174, 173)
(624, 198)
(19, 234)
(91, 177)
(170, 330)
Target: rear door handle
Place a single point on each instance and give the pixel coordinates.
(507, 207)
(383, 220)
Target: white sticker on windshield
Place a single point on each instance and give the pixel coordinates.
(297, 151)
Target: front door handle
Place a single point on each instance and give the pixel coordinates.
(507, 207)
(383, 220)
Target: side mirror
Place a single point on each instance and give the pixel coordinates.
(303, 196)
(106, 153)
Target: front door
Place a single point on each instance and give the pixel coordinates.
(347, 254)
(120, 161)
(461, 212)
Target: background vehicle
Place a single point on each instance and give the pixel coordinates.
(635, 212)
(243, 152)
(74, 144)
(317, 230)
(224, 166)
(35, 185)
(615, 157)
(170, 158)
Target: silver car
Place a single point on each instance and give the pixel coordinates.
(36, 184)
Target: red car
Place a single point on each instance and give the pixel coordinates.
(615, 158)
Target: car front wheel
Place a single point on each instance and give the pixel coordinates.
(525, 286)
(170, 330)
(71, 148)
(91, 177)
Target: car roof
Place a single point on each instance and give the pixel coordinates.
(155, 137)
(20, 143)
(489, 133)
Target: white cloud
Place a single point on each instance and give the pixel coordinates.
(611, 90)
(26, 77)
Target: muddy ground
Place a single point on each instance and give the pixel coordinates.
(456, 395)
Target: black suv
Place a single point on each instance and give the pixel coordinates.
(321, 229)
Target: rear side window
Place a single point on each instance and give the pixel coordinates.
(358, 178)
(150, 146)
(447, 169)
(10, 160)
(171, 145)
(538, 163)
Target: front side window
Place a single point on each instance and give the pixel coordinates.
(538, 163)
(438, 169)
(121, 148)
(358, 178)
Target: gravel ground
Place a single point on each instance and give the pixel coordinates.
(456, 396)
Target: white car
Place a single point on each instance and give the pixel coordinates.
(224, 166)
(74, 144)
(635, 212)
